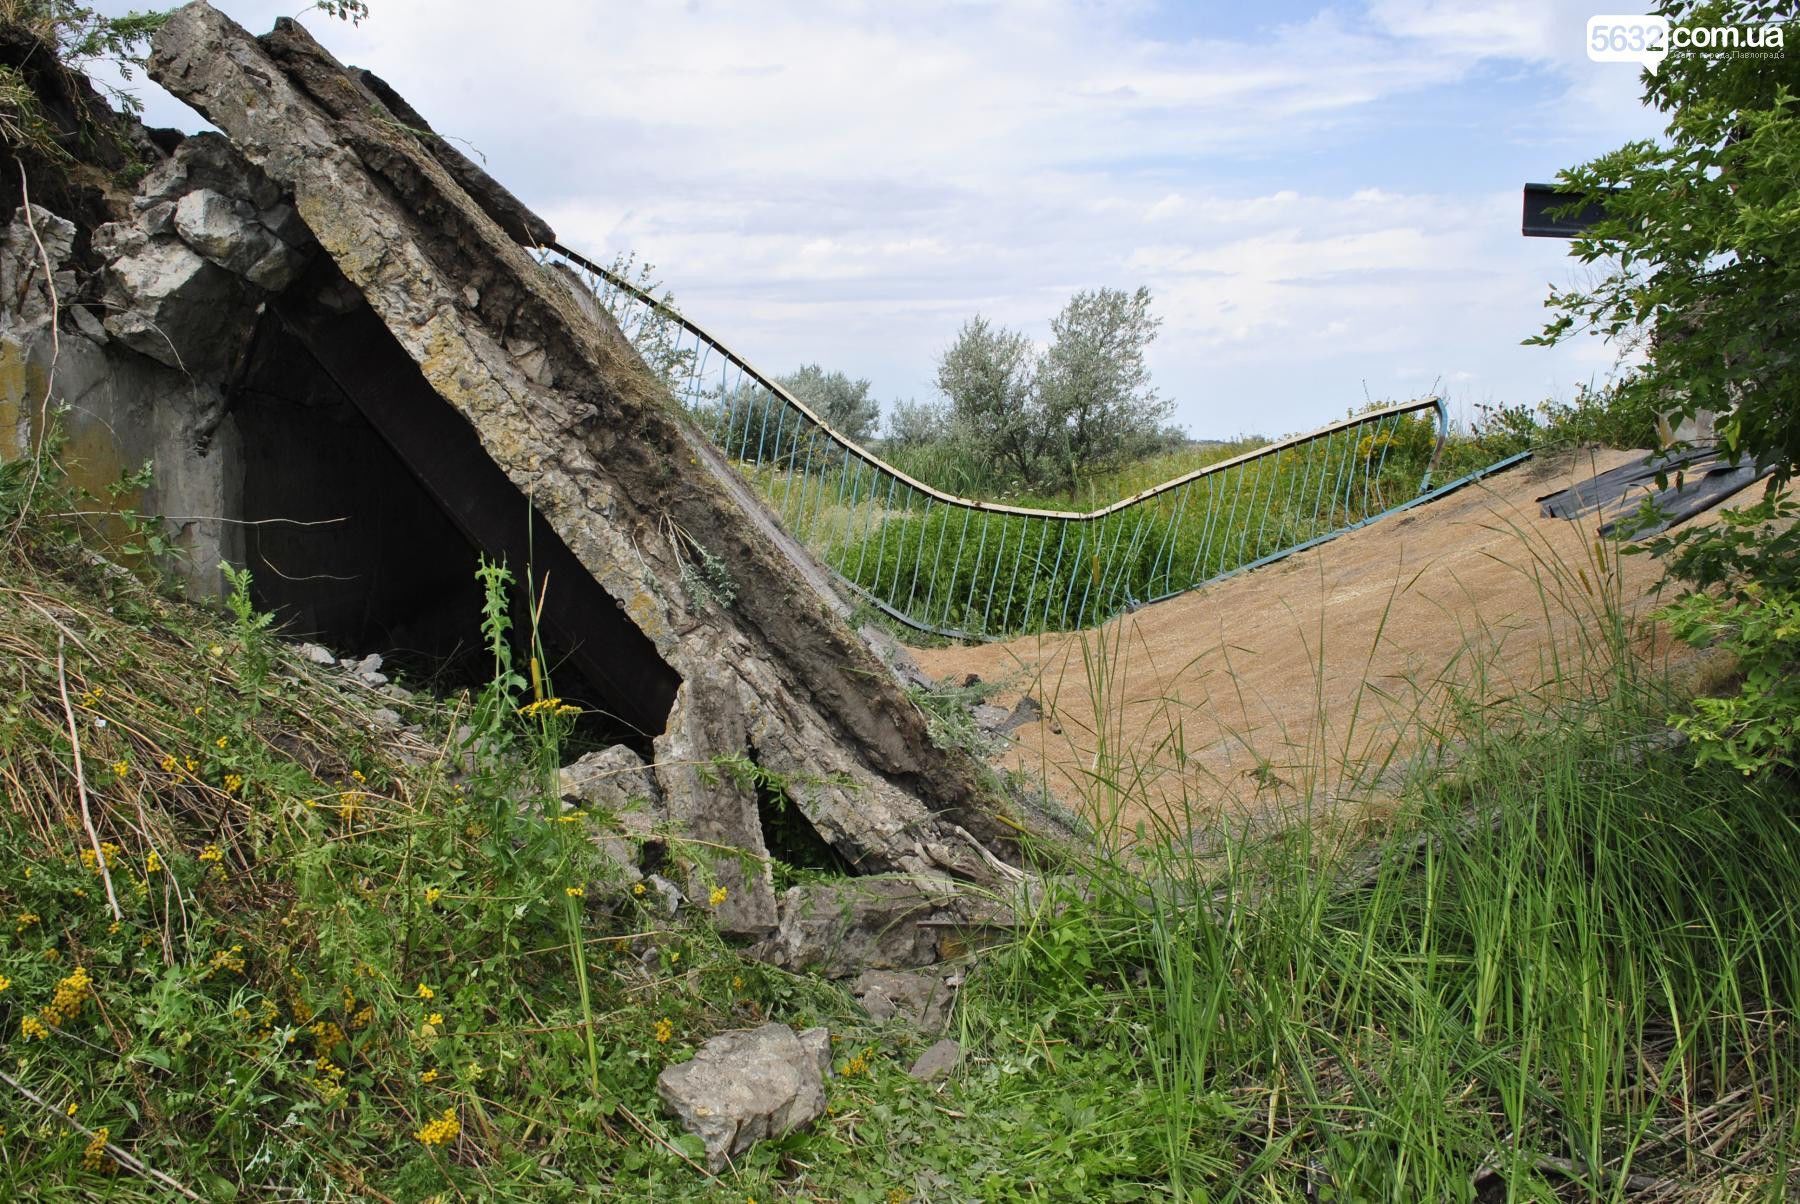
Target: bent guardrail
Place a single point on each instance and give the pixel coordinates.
(970, 569)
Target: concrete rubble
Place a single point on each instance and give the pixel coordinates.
(748, 1085)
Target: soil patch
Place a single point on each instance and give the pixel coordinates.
(1321, 677)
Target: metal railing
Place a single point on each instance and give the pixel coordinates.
(970, 569)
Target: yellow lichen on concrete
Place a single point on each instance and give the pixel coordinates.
(89, 458)
(646, 611)
(14, 423)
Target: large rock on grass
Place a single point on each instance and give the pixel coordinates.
(748, 1085)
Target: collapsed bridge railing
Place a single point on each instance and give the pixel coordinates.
(970, 569)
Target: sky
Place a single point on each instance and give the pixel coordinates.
(1323, 200)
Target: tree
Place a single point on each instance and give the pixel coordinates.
(915, 423)
(1053, 418)
(989, 375)
(1701, 241)
(844, 404)
(1093, 383)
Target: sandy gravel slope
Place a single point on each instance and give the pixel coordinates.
(1296, 681)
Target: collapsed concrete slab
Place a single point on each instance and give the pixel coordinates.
(496, 386)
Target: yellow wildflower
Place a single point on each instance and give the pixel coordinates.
(665, 1028)
(233, 783)
(430, 1076)
(717, 897)
(637, 888)
(69, 997)
(441, 1131)
(231, 959)
(121, 769)
(72, 1109)
(222, 742)
(27, 919)
(435, 1020)
(425, 992)
(358, 775)
(574, 892)
(433, 894)
(192, 765)
(5, 982)
(326, 1035)
(32, 1029)
(212, 852)
(93, 1155)
(170, 764)
(153, 864)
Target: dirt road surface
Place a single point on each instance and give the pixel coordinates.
(1321, 678)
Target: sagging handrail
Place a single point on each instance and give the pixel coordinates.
(847, 503)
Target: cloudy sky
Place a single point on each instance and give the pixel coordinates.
(1323, 200)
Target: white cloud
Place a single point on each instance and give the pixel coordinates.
(848, 182)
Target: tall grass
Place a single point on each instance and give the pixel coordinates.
(1566, 969)
(990, 573)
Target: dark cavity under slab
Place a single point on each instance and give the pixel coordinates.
(338, 423)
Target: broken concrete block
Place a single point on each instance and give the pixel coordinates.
(207, 160)
(22, 284)
(937, 1062)
(668, 895)
(1026, 710)
(842, 928)
(226, 232)
(745, 1086)
(988, 717)
(167, 302)
(617, 787)
(817, 1043)
(916, 997)
(317, 654)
